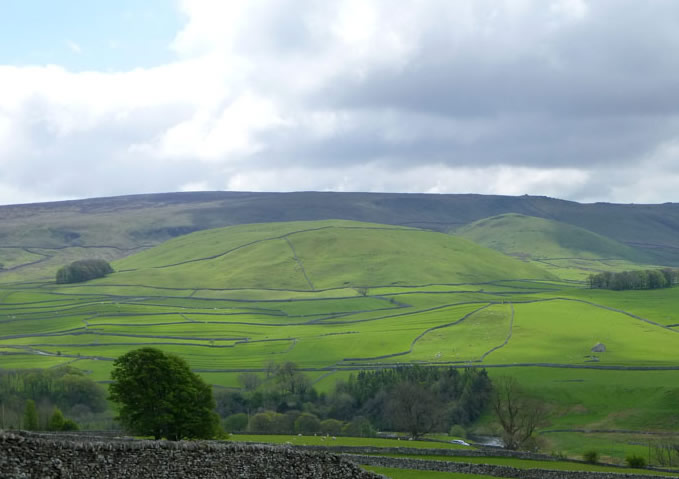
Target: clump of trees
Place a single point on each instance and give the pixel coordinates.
(29, 398)
(57, 421)
(158, 395)
(83, 270)
(413, 399)
(641, 279)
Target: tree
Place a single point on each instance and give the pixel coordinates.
(307, 423)
(413, 408)
(331, 426)
(291, 381)
(159, 396)
(56, 420)
(517, 413)
(249, 381)
(236, 422)
(70, 425)
(30, 416)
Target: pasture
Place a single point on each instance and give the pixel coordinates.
(336, 297)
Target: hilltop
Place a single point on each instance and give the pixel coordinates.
(36, 239)
(317, 255)
(539, 238)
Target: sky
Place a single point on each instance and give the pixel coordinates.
(574, 99)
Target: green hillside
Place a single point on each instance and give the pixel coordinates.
(36, 239)
(317, 256)
(539, 238)
(336, 297)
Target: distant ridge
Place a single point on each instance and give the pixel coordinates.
(135, 221)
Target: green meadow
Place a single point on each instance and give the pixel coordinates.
(336, 297)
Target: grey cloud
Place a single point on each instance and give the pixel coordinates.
(479, 87)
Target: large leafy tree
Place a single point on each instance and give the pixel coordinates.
(159, 396)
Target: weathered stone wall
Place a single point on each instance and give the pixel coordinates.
(411, 451)
(492, 470)
(25, 455)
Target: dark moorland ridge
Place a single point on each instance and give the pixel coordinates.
(127, 222)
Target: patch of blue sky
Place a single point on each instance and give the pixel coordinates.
(88, 35)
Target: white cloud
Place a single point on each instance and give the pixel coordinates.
(217, 134)
(374, 177)
(196, 186)
(506, 96)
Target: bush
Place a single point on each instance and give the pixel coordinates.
(559, 454)
(260, 422)
(635, 461)
(359, 427)
(591, 457)
(236, 422)
(283, 423)
(332, 427)
(70, 425)
(307, 423)
(57, 420)
(457, 431)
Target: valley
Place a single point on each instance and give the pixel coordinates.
(339, 296)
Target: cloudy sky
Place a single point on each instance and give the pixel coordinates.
(577, 99)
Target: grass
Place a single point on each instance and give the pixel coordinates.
(331, 254)
(413, 474)
(539, 238)
(429, 298)
(343, 441)
(535, 464)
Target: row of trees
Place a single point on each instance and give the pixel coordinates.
(640, 279)
(83, 270)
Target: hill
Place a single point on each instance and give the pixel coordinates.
(317, 255)
(539, 238)
(36, 239)
(337, 297)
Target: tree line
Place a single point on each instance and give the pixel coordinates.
(156, 394)
(413, 399)
(83, 270)
(31, 398)
(640, 279)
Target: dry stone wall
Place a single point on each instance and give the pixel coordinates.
(25, 455)
(492, 470)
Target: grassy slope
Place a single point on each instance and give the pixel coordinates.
(119, 226)
(539, 238)
(333, 254)
(342, 324)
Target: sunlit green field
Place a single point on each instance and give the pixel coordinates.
(336, 297)
(534, 464)
(411, 474)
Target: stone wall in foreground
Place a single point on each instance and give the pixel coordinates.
(25, 455)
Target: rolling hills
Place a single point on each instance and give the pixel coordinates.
(339, 296)
(36, 239)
